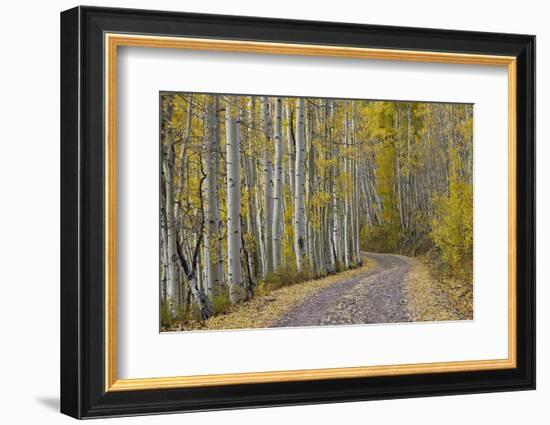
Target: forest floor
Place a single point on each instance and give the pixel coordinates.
(430, 299)
(266, 310)
(388, 288)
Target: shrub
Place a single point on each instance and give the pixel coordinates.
(452, 229)
(186, 313)
(284, 276)
(383, 238)
(221, 303)
(166, 319)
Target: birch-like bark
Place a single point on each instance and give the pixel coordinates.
(398, 169)
(299, 220)
(346, 238)
(327, 244)
(309, 188)
(233, 202)
(172, 282)
(163, 256)
(335, 227)
(336, 245)
(182, 158)
(213, 249)
(278, 188)
(291, 148)
(250, 179)
(356, 187)
(408, 183)
(189, 270)
(259, 223)
(268, 186)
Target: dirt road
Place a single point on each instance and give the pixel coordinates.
(377, 295)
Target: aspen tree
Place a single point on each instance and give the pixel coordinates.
(233, 201)
(278, 188)
(173, 281)
(268, 185)
(299, 231)
(213, 249)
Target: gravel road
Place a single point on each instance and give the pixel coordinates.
(375, 296)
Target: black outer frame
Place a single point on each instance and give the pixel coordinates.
(82, 212)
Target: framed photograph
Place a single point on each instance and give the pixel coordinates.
(261, 212)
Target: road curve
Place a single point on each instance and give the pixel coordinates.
(375, 296)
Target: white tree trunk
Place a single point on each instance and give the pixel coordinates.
(233, 202)
(182, 159)
(164, 258)
(335, 227)
(268, 187)
(346, 238)
(309, 185)
(291, 148)
(278, 188)
(357, 247)
(299, 220)
(213, 254)
(250, 174)
(172, 282)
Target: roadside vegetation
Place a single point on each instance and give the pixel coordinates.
(261, 194)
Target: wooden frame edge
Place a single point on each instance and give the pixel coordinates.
(512, 212)
(110, 213)
(306, 375)
(114, 40)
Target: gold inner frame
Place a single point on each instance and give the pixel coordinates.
(113, 41)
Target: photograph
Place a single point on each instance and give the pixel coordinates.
(281, 212)
(294, 209)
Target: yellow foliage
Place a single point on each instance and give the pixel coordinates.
(266, 309)
(430, 299)
(452, 228)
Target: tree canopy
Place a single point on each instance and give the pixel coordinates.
(260, 189)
